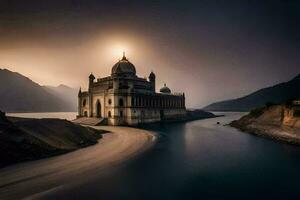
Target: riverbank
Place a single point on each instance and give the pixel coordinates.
(36, 178)
(270, 122)
(24, 139)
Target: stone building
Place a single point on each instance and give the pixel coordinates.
(123, 98)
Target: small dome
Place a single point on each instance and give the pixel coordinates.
(123, 67)
(165, 89)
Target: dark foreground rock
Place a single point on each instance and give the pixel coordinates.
(271, 122)
(28, 139)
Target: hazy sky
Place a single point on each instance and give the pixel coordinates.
(211, 50)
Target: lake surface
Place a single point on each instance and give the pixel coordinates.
(59, 115)
(201, 160)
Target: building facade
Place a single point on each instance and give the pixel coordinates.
(123, 98)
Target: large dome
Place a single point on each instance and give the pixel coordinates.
(123, 67)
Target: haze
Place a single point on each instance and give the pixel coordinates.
(211, 50)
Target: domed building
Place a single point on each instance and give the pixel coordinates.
(123, 98)
(123, 68)
(165, 90)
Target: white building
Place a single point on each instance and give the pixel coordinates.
(125, 99)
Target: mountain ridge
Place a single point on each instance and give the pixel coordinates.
(21, 94)
(274, 94)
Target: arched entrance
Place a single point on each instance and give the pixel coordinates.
(98, 109)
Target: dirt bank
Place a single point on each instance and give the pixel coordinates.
(37, 178)
(270, 122)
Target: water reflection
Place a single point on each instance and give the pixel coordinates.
(200, 160)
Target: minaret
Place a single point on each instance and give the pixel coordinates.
(152, 81)
(91, 82)
(79, 103)
(79, 93)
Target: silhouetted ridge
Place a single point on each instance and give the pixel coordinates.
(275, 94)
(20, 94)
(297, 77)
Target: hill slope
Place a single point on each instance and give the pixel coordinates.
(66, 93)
(275, 94)
(270, 122)
(28, 139)
(20, 94)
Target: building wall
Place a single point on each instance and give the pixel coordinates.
(143, 115)
(98, 98)
(83, 106)
(174, 113)
(140, 103)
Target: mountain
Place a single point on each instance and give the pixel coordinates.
(66, 93)
(20, 94)
(276, 94)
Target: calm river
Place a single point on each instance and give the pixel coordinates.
(201, 160)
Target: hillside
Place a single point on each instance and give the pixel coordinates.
(271, 122)
(29, 139)
(65, 93)
(20, 94)
(276, 94)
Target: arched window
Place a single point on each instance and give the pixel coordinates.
(109, 101)
(121, 113)
(98, 109)
(121, 102)
(109, 114)
(84, 102)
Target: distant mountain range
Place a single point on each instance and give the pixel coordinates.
(20, 94)
(276, 94)
(66, 93)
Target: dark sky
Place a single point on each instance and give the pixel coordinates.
(211, 50)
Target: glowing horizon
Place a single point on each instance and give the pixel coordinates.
(204, 50)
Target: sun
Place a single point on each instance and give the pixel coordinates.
(117, 50)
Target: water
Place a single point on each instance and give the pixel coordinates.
(201, 160)
(59, 115)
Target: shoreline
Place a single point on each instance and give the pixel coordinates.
(279, 134)
(270, 122)
(121, 144)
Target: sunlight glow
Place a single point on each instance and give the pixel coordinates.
(117, 50)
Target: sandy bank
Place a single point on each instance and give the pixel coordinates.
(33, 179)
(270, 122)
(24, 139)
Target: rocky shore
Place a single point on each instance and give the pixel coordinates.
(270, 122)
